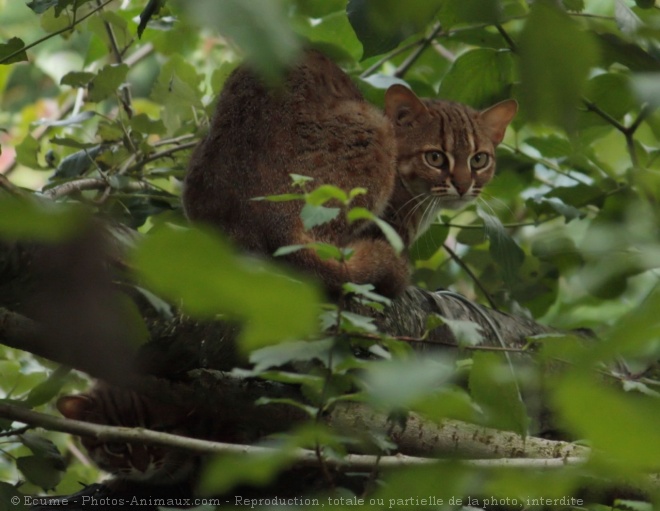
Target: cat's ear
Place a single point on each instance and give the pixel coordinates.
(497, 118)
(75, 407)
(401, 105)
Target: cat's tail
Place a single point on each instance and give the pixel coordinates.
(373, 261)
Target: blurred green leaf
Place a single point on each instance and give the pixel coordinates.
(30, 219)
(215, 280)
(554, 75)
(398, 384)
(382, 24)
(259, 27)
(494, 388)
(622, 428)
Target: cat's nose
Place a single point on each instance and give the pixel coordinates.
(461, 187)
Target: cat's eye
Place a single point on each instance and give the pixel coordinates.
(115, 448)
(435, 158)
(479, 161)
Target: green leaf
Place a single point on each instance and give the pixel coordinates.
(313, 216)
(77, 164)
(39, 219)
(13, 47)
(382, 24)
(554, 75)
(448, 403)
(27, 152)
(41, 6)
(503, 249)
(178, 91)
(107, 81)
(353, 322)
(324, 193)
(74, 120)
(646, 87)
(272, 304)
(545, 205)
(398, 384)
(613, 49)
(77, 79)
(551, 146)
(645, 4)
(479, 77)
(256, 469)
(47, 390)
(258, 27)
(494, 388)
(468, 12)
(429, 242)
(391, 235)
(467, 333)
(41, 472)
(366, 291)
(42, 447)
(574, 5)
(622, 430)
(284, 353)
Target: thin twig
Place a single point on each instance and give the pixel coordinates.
(474, 278)
(507, 37)
(412, 58)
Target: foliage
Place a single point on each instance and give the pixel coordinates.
(94, 114)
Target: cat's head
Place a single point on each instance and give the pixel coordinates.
(445, 150)
(114, 406)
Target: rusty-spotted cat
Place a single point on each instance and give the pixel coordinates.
(419, 156)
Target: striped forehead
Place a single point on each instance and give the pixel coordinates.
(456, 125)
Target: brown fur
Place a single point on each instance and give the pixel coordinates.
(319, 125)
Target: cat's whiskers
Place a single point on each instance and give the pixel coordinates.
(486, 199)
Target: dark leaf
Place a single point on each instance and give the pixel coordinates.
(78, 163)
(13, 47)
(42, 472)
(382, 24)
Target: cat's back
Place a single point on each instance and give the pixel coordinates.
(315, 123)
